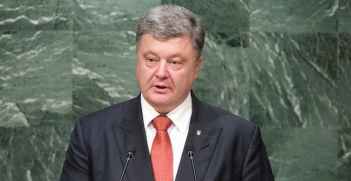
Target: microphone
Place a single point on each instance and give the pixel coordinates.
(190, 150)
(130, 153)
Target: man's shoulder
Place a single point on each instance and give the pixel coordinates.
(225, 119)
(114, 113)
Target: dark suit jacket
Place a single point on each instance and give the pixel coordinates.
(228, 148)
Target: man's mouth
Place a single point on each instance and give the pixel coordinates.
(161, 87)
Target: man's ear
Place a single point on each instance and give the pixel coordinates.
(197, 66)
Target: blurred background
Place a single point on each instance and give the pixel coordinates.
(284, 65)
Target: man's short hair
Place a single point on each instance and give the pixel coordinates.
(170, 21)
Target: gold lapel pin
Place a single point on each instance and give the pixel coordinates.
(198, 132)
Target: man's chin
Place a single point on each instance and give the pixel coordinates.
(159, 101)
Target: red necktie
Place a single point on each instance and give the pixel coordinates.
(161, 151)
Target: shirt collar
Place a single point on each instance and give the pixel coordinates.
(180, 116)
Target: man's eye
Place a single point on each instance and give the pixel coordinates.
(151, 60)
(175, 63)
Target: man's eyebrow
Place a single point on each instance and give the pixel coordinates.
(170, 57)
(149, 52)
(177, 55)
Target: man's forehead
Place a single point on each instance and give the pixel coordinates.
(150, 39)
(150, 45)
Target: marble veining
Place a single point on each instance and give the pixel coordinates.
(284, 65)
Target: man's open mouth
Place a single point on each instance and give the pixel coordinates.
(161, 87)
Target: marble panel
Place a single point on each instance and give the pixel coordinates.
(344, 16)
(35, 15)
(103, 70)
(110, 15)
(35, 77)
(223, 80)
(294, 80)
(344, 154)
(302, 153)
(219, 16)
(293, 16)
(33, 153)
(344, 79)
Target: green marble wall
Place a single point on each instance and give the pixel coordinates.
(285, 65)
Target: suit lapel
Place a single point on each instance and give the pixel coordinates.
(132, 132)
(204, 143)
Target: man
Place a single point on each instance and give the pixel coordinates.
(165, 117)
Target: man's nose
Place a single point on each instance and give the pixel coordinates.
(162, 70)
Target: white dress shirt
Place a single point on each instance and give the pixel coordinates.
(178, 131)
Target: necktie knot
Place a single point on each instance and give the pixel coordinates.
(162, 123)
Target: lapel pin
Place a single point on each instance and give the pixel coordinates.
(198, 132)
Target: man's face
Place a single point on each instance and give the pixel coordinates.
(166, 70)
